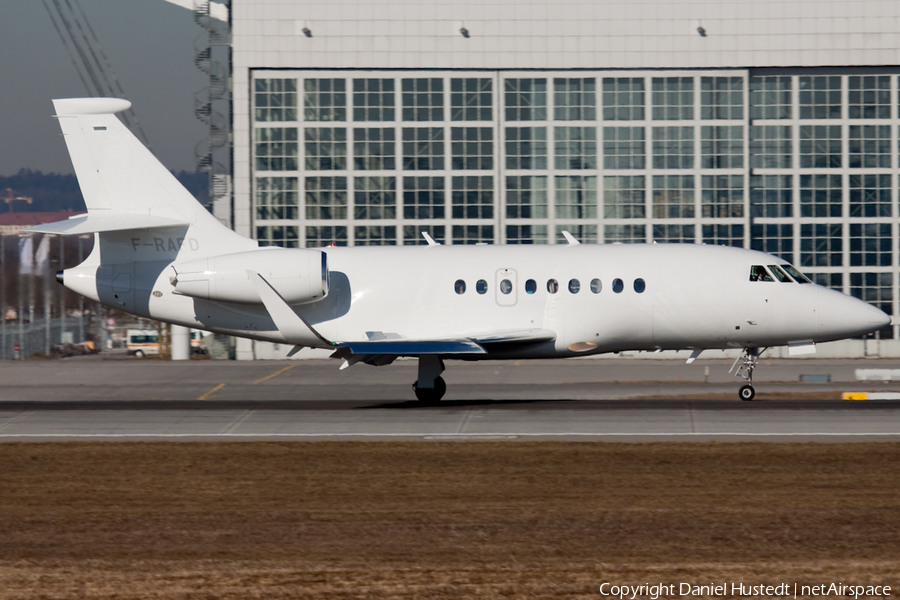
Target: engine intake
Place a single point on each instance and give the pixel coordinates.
(299, 276)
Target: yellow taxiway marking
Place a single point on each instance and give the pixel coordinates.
(211, 392)
(275, 374)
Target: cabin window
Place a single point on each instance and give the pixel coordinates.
(618, 286)
(505, 286)
(530, 286)
(552, 286)
(574, 286)
(596, 286)
(779, 274)
(460, 286)
(639, 286)
(797, 275)
(481, 286)
(759, 273)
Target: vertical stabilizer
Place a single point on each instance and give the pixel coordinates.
(119, 177)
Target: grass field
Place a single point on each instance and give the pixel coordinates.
(439, 520)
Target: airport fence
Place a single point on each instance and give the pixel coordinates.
(21, 340)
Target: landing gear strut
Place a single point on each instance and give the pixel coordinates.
(750, 358)
(430, 386)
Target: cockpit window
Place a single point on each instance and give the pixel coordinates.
(759, 273)
(779, 274)
(797, 275)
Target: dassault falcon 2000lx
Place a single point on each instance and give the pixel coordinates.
(159, 254)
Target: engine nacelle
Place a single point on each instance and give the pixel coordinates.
(300, 276)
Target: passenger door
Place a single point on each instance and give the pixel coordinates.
(506, 284)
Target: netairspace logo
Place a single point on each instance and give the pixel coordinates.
(731, 590)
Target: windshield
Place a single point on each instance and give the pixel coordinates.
(797, 275)
(779, 274)
(759, 273)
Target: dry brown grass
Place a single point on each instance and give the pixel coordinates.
(439, 520)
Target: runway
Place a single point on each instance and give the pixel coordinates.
(612, 400)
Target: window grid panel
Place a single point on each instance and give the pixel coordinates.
(586, 234)
(575, 147)
(869, 147)
(871, 245)
(870, 195)
(575, 197)
(324, 100)
(575, 99)
(722, 98)
(423, 198)
(526, 234)
(772, 196)
(473, 197)
(775, 239)
(625, 234)
(869, 96)
(373, 100)
(374, 149)
(423, 148)
(724, 235)
(473, 234)
(820, 146)
(771, 146)
(821, 245)
(624, 148)
(819, 97)
(526, 197)
(472, 148)
(624, 197)
(770, 97)
(673, 196)
(325, 148)
(277, 198)
(319, 236)
(276, 149)
(673, 147)
(668, 233)
(275, 100)
(375, 198)
(285, 236)
(673, 98)
(526, 147)
(722, 196)
(623, 98)
(471, 99)
(326, 198)
(525, 99)
(722, 147)
(375, 235)
(821, 195)
(423, 99)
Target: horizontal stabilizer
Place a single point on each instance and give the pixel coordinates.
(94, 223)
(411, 347)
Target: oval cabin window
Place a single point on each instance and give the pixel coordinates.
(574, 286)
(639, 286)
(460, 286)
(618, 286)
(552, 286)
(505, 286)
(530, 286)
(596, 286)
(481, 286)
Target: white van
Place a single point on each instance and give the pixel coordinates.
(142, 342)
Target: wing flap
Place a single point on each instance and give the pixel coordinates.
(521, 336)
(411, 347)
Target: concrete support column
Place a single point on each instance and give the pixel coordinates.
(181, 343)
(244, 349)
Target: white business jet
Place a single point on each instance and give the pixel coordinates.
(159, 254)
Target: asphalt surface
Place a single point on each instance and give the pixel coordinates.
(608, 399)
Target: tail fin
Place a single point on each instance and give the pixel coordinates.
(124, 186)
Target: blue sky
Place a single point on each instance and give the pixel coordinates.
(150, 44)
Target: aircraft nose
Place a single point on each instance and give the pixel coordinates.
(842, 316)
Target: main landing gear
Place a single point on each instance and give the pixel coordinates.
(430, 386)
(750, 358)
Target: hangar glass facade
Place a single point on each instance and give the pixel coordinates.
(802, 164)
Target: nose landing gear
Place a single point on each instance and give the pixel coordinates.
(750, 358)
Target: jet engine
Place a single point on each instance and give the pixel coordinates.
(299, 276)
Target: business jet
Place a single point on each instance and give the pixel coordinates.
(159, 254)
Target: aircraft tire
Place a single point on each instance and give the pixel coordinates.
(431, 395)
(746, 392)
